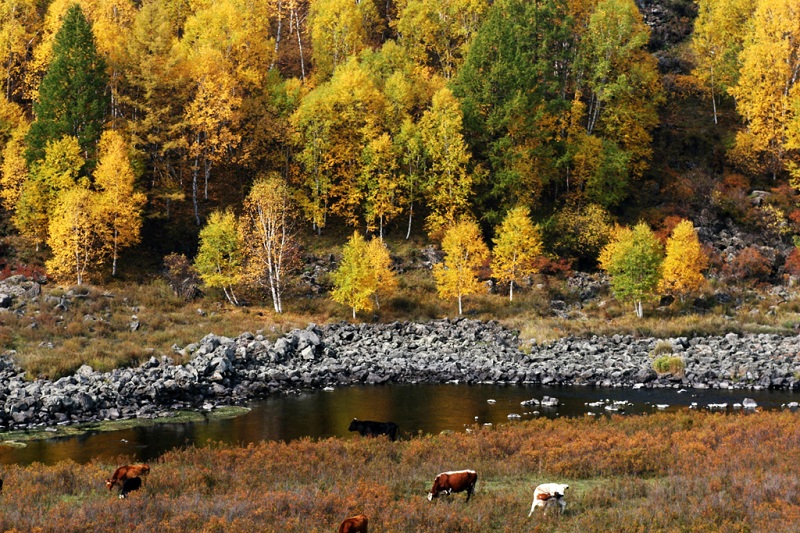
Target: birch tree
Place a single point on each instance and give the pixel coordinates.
(118, 200)
(685, 261)
(464, 253)
(268, 236)
(717, 40)
(517, 244)
(218, 260)
(448, 186)
(766, 93)
(76, 236)
(633, 261)
(354, 280)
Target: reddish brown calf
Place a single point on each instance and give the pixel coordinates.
(127, 472)
(354, 524)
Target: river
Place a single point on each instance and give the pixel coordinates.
(417, 409)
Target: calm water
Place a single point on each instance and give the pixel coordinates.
(415, 408)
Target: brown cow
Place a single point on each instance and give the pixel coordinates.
(449, 482)
(127, 472)
(354, 524)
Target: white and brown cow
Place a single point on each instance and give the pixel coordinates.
(547, 495)
(450, 482)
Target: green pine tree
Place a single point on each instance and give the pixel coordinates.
(73, 95)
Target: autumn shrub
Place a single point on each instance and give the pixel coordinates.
(662, 347)
(669, 364)
(792, 264)
(684, 471)
(578, 233)
(748, 264)
(730, 196)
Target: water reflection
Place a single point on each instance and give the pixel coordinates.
(415, 408)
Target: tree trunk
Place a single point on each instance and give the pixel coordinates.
(300, 45)
(195, 170)
(207, 174)
(459, 305)
(410, 214)
(277, 34)
(511, 291)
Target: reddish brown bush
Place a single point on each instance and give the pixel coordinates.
(749, 264)
(792, 264)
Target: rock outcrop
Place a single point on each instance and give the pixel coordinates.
(224, 370)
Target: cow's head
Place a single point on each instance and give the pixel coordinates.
(110, 483)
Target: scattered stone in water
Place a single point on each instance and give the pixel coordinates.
(328, 389)
(717, 406)
(662, 406)
(514, 416)
(547, 401)
(749, 403)
(532, 401)
(790, 405)
(490, 400)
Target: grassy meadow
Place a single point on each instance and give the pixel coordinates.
(95, 328)
(689, 471)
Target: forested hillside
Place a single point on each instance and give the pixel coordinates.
(227, 134)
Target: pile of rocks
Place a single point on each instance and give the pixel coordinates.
(224, 370)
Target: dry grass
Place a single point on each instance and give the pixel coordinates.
(662, 472)
(95, 330)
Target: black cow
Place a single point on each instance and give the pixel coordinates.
(368, 428)
(129, 485)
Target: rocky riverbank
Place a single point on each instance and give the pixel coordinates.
(223, 370)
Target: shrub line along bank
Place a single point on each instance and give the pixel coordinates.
(224, 370)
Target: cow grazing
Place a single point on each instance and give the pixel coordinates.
(127, 472)
(449, 482)
(368, 428)
(354, 524)
(1, 485)
(129, 485)
(547, 495)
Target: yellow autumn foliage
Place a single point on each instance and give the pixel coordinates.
(682, 270)
(464, 252)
